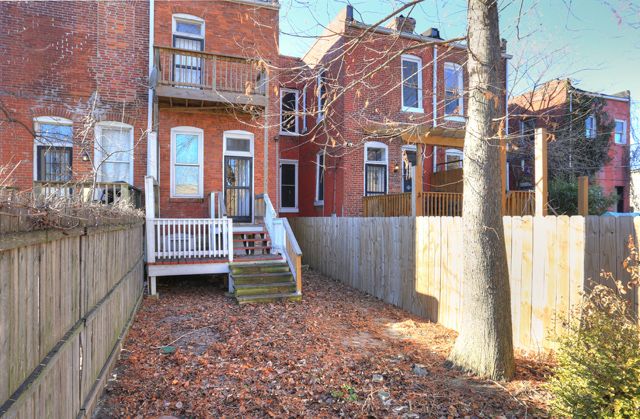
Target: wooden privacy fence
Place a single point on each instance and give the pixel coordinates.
(66, 301)
(416, 263)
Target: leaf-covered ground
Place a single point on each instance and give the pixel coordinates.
(195, 353)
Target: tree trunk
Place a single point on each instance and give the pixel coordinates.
(485, 345)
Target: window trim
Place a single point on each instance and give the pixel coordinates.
(417, 60)
(317, 202)
(403, 149)
(296, 207)
(460, 116)
(189, 19)
(97, 152)
(283, 92)
(319, 82)
(624, 132)
(200, 133)
(49, 120)
(367, 146)
(239, 135)
(594, 134)
(455, 152)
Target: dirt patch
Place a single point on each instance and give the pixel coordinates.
(338, 353)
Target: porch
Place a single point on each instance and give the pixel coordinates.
(262, 259)
(109, 193)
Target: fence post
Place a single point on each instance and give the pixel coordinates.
(541, 171)
(417, 186)
(583, 195)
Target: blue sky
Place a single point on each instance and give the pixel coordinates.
(595, 42)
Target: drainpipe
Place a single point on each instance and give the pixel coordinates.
(265, 181)
(434, 149)
(152, 136)
(506, 109)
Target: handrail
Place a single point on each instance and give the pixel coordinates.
(207, 54)
(293, 254)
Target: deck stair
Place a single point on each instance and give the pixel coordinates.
(262, 281)
(251, 240)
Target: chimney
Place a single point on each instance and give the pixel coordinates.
(432, 33)
(402, 24)
(503, 45)
(349, 17)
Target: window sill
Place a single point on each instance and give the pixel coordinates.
(288, 210)
(318, 203)
(412, 110)
(455, 118)
(290, 134)
(178, 199)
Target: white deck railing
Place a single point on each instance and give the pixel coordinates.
(192, 238)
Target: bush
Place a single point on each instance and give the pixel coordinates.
(598, 360)
(563, 197)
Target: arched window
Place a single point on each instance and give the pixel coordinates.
(376, 161)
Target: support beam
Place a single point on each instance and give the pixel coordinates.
(541, 171)
(583, 195)
(418, 180)
(152, 286)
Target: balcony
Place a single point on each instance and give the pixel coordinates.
(108, 193)
(194, 78)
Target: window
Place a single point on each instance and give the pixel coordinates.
(320, 178)
(411, 84)
(408, 162)
(620, 196)
(113, 155)
(527, 129)
(322, 94)
(453, 90)
(188, 33)
(53, 149)
(590, 126)
(288, 185)
(375, 169)
(186, 162)
(288, 111)
(620, 133)
(453, 159)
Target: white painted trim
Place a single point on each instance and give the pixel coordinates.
(624, 131)
(409, 147)
(189, 19)
(295, 163)
(375, 144)
(296, 92)
(152, 137)
(190, 131)
(319, 81)
(304, 109)
(435, 85)
(318, 202)
(418, 61)
(460, 70)
(245, 135)
(97, 151)
(49, 120)
(188, 269)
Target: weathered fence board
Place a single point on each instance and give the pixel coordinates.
(65, 302)
(416, 264)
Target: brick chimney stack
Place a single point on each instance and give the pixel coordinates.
(402, 24)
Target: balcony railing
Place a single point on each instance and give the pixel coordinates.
(102, 192)
(186, 74)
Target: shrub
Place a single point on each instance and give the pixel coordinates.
(563, 197)
(598, 358)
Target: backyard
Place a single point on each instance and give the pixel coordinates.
(195, 353)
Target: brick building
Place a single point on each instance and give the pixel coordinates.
(575, 118)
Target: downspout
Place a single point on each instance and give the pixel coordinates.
(435, 105)
(152, 137)
(506, 111)
(265, 181)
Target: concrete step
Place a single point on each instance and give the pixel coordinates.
(262, 278)
(268, 298)
(265, 289)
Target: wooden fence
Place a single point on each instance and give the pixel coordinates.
(416, 263)
(66, 301)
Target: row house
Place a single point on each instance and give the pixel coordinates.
(590, 136)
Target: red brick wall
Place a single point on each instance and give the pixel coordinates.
(65, 59)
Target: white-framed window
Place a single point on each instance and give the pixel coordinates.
(408, 162)
(53, 149)
(453, 159)
(590, 127)
(321, 92)
(376, 161)
(411, 84)
(187, 156)
(289, 105)
(238, 143)
(320, 168)
(288, 185)
(188, 33)
(620, 131)
(453, 91)
(113, 152)
(527, 129)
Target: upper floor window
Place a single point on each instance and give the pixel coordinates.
(113, 155)
(453, 90)
(320, 166)
(375, 168)
(321, 91)
(289, 111)
(411, 84)
(590, 126)
(53, 149)
(527, 129)
(186, 162)
(453, 159)
(187, 26)
(620, 133)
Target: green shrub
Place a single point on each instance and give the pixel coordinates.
(563, 197)
(598, 360)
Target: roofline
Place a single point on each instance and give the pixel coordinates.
(605, 96)
(272, 4)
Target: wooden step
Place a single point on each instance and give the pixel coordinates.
(239, 268)
(262, 277)
(268, 298)
(265, 289)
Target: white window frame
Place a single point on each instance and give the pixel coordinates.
(284, 91)
(418, 61)
(317, 201)
(189, 131)
(403, 149)
(367, 146)
(282, 207)
(456, 153)
(187, 19)
(623, 137)
(594, 131)
(97, 151)
(49, 120)
(240, 135)
(460, 116)
(304, 109)
(319, 82)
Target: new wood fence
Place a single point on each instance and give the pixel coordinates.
(416, 263)
(66, 300)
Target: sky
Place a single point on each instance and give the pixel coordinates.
(594, 42)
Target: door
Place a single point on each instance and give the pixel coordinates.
(187, 69)
(238, 186)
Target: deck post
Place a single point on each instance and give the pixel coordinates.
(541, 172)
(150, 214)
(583, 195)
(152, 286)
